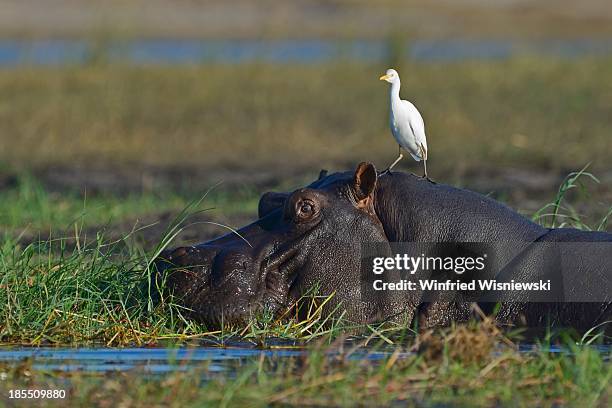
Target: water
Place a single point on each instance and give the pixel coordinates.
(179, 51)
(217, 361)
(150, 360)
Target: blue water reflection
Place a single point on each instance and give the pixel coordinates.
(183, 51)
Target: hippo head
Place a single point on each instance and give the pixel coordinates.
(308, 238)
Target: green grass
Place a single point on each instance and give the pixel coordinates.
(29, 209)
(539, 113)
(561, 212)
(29, 204)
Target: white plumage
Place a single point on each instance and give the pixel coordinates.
(406, 123)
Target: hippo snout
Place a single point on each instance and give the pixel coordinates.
(186, 270)
(192, 257)
(227, 282)
(220, 282)
(229, 264)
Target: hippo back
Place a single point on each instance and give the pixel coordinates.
(413, 209)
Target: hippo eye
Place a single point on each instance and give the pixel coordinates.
(306, 209)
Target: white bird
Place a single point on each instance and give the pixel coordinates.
(406, 123)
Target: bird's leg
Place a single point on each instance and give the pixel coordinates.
(400, 157)
(425, 176)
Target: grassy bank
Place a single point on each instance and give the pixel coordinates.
(469, 365)
(246, 118)
(31, 212)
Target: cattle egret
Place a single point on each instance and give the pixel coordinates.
(406, 123)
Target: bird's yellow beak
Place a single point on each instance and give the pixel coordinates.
(383, 78)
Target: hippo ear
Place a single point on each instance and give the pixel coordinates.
(364, 183)
(269, 202)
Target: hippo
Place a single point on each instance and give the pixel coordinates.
(315, 235)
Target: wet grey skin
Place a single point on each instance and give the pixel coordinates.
(313, 236)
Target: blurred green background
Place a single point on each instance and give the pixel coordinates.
(115, 114)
